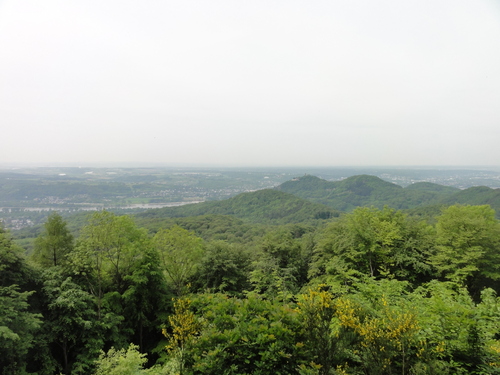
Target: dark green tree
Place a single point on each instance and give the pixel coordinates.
(281, 264)
(146, 301)
(69, 323)
(243, 336)
(224, 268)
(18, 324)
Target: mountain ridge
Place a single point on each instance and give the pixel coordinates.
(368, 190)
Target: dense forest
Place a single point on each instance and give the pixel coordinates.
(261, 283)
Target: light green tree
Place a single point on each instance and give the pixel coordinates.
(54, 244)
(180, 254)
(107, 251)
(467, 243)
(375, 243)
(121, 362)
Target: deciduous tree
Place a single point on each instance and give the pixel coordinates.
(180, 254)
(54, 244)
(467, 244)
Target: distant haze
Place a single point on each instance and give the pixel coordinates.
(243, 83)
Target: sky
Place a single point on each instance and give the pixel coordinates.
(250, 83)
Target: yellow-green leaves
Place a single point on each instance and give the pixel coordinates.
(184, 325)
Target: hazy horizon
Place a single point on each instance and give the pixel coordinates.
(152, 165)
(250, 84)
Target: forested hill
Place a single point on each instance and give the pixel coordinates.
(365, 190)
(476, 195)
(263, 206)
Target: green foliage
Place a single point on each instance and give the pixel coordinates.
(363, 294)
(69, 323)
(223, 268)
(18, 325)
(180, 253)
(209, 227)
(316, 310)
(457, 331)
(280, 269)
(54, 244)
(467, 241)
(388, 333)
(477, 195)
(184, 325)
(107, 251)
(245, 336)
(17, 329)
(376, 243)
(262, 206)
(347, 194)
(121, 362)
(114, 263)
(146, 300)
(435, 329)
(364, 190)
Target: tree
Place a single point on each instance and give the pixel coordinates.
(18, 324)
(382, 316)
(224, 268)
(243, 336)
(69, 323)
(316, 310)
(180, 254)
(121, 362)
(375, 243)
(467, 241)
(281, 265)
(458, 332)
(54, 244)
(184, 326)
(146, 300)
(107, 251)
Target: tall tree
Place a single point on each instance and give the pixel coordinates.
(180, 255)
(107, 251)
(146, 300)
(69, 323)
(18, 324)
(53, 245)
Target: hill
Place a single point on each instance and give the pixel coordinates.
(365, 190)
(355, 191)
(476, 195)
(263, 206)
(431, 187)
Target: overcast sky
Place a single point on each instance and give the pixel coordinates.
(250, 83)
